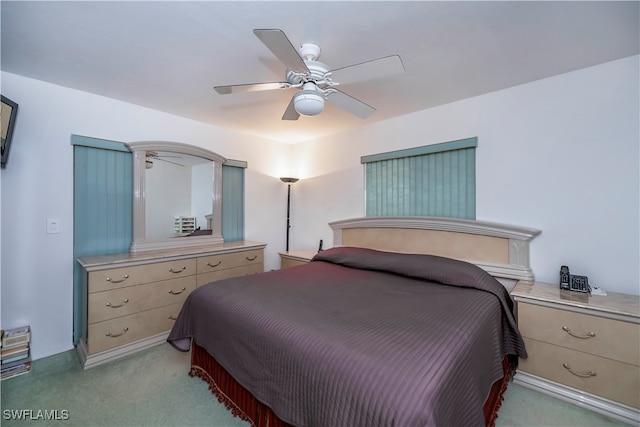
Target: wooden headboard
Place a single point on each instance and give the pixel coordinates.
(502, 250)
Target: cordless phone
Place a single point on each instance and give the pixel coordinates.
(564, 277)
(573, 282)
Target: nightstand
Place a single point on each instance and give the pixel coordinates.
(582, 348)
(297, 257)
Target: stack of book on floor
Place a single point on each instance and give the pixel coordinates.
(14, 354)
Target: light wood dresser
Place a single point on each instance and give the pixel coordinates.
(296, 257)
(582, 348)
(130, 301)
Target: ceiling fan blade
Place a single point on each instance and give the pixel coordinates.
(279, 44)
(168, 161)
(291, 113)
(251, 87)
(375, 69)
(351, 104)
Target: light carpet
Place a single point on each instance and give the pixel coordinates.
(153, 388)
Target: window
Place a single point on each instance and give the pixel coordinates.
(433, 180)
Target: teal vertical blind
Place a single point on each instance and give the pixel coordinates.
(102, 207)
(233, 200)
(434, 180)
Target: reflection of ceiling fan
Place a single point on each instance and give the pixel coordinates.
(150, 156)
(315, 80)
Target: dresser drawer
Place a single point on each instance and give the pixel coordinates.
(288, 263)
(103, 280)
(213, 263)
(613, 380)
(213, 276)
(132, 299)
(608, 338)
(123, 330)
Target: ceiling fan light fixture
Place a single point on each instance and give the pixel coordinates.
(308, 102)
(148, 156)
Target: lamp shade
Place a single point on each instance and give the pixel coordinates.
(289, 180)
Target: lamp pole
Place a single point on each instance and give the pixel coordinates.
(288, 181)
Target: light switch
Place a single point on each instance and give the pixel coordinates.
(53, 225)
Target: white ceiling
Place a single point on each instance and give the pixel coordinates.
(168, 55)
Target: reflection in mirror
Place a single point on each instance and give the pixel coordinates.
(178, 194)
(177, 189)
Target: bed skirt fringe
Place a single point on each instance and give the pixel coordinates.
(496, 396)
(243, 405)
(232, 395)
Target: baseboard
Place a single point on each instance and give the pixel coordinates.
(91, 361)
(578, 397)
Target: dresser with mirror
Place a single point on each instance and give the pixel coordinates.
(130, 300)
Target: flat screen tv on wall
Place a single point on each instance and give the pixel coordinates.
(8, 115)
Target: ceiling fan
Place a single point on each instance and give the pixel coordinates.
(315, 81)
(150, 156)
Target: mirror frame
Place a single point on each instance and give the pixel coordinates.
(139, 242)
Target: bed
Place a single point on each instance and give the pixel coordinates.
(406, 321)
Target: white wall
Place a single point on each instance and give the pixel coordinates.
(36, 268)
(202, 184)
(560, 155)
(166, 198)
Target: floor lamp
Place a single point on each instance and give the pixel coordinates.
(288, 181)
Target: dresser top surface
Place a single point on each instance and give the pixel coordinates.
(622, 304)
(98, 262)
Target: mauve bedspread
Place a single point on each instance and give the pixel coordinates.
(359, 338)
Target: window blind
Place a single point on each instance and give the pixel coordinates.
(102, 207)
(233, 200)
(434, 180)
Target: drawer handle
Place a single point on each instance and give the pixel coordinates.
(582, 337)
(172, 318)
(178, 271)
(124, 301)
(125, 277)
(214, 265)
(172, 292)
(579, 374)
(251, 259)
(124, 331)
